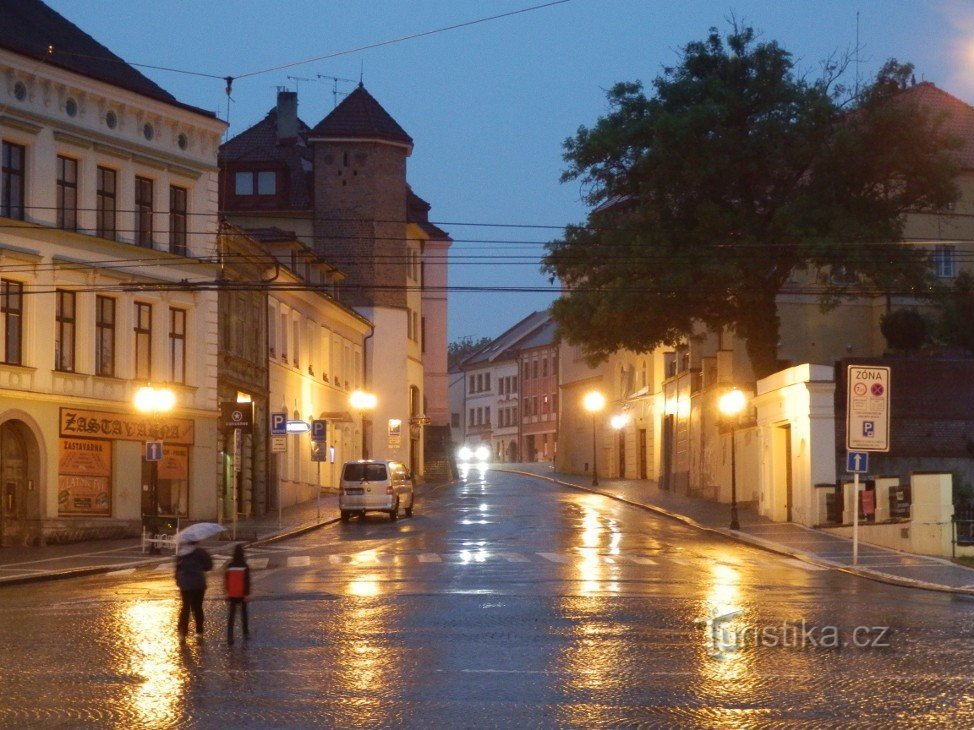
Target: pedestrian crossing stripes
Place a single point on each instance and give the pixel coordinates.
(586, 557)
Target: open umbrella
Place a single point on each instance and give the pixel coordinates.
(195, 533)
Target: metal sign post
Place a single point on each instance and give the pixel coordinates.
(319, 435)
(278, 439)
(867, 427)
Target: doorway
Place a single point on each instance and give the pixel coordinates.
(19, 500)
(622, 454)
(643, 453)
(784, 488)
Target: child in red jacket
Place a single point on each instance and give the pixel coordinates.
(236, 580)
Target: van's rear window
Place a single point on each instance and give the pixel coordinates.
(368, 472)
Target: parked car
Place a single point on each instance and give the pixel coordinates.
(375, 485)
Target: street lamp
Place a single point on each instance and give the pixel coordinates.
(363, 401)
(594, 402)
(731, 404)
(154, 402)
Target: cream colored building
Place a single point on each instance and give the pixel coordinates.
(108, 211)
(674, 434)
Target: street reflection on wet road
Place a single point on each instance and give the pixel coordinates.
(504, 602)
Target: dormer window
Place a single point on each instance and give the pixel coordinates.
(255, 182)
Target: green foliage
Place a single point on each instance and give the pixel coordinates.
(459, 350)
(905, 330)
(733, 174)
(956, 324)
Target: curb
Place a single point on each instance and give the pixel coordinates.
(761, 543)
(275, 537)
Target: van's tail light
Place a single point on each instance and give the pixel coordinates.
(389, 489)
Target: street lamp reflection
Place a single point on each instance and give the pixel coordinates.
(145, 628)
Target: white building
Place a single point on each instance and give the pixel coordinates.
(108, 210)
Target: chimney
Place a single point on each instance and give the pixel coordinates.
(287, 117)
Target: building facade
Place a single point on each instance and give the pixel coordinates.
(340, 189)
(107, 199)
(676, 435)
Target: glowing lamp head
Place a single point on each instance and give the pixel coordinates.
(362, 401)
(732, 402)
(593, 401)
(619, 421)
(154, 400)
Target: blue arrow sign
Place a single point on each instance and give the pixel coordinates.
(857, 462)
(278, 424)
(153, 450)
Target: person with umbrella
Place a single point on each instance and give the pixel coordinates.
(192, 564)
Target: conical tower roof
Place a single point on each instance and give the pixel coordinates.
(360, 116)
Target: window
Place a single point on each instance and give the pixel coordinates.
(143, 341)
(253, 182)
(943, 262)
(105, 213)
(472, 389)
(12, 310)
(534, 369)
(143, 211)
(455, 420)
(514, 384)
(177, 220)
(471, 416)
(486, 381)
(480, 416)
(422, 334)
(64, 341)
(67, 193)
(105, 336)
(177, 345)
(487, 415)
(527, 406)
(12, 182)
(544, 368)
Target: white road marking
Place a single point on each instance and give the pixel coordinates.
(163, 568)
(430, 558)
(679, 561)
(640, 560)
(555, 557)
(514, 558)
(123, 571)
(258, 563)
(336, 559)
(298, 561)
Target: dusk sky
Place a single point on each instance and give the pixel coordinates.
(489, 104)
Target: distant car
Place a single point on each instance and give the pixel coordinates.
(479, 453)
(375, 485)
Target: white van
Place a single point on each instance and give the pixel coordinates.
(375, 485)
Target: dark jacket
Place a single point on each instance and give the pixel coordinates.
(191, 570)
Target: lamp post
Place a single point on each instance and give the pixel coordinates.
(362, 402)
(154, 402)
(731, 404)
(594, 402)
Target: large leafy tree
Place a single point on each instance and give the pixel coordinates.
(710, 193)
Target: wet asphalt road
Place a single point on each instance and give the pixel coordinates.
(505, 602)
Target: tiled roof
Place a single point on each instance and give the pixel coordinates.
(541, 337)
(958, 117)
(417, 211)
(30, 28)
(258, 144)
(359, 115)
(505, 346)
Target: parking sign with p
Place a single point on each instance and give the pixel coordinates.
(319, 430)
(278, 424)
